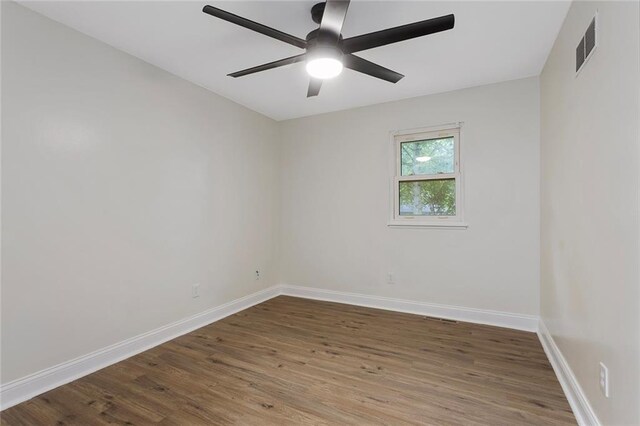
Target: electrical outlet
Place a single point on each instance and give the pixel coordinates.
(604, 380)
(257, 275)
(195, 291)
(390, 279)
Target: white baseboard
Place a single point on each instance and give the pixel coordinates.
(582, 410)
(25, 388)
(577, 399)
(479, 316)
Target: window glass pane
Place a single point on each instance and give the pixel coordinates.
(428, 197)
(427, 157)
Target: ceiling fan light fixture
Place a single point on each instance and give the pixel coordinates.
(324, 62)
(324, 68)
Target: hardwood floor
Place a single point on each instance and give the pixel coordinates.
(297, 361)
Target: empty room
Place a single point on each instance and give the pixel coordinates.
(320, 213)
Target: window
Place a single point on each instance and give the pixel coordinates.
(427, 186)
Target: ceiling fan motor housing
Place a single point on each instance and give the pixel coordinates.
(314, 38)
(315, 44)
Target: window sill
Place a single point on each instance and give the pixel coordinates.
(417, 224)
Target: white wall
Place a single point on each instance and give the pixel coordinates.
(335, 203)
(590, 298)
(122, 186)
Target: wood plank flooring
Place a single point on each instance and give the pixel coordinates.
(296, 361)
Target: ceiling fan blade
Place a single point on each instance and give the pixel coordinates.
(335, 12)
(356, 63)
(396, 34)
(314, 87)
(270, 65)
(262, 29)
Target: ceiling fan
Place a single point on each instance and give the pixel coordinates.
(326, 52)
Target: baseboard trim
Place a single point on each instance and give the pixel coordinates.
(25, 388)
(582, 410)
(478, 316)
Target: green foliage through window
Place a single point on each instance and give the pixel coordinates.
(427, 157)
(428, 197)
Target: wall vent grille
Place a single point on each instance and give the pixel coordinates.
(587, 44)
(444, 320)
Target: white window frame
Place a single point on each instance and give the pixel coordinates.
(436, 132)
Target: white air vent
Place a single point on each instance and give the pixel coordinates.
(587, 45)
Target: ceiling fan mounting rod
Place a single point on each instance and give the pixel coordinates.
(316, 12)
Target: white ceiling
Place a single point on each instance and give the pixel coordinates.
(491, 42)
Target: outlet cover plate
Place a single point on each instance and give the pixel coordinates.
(604, 380)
